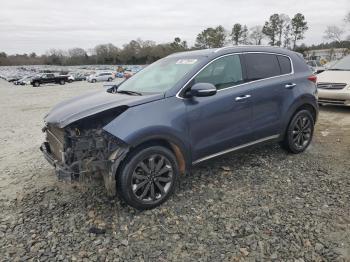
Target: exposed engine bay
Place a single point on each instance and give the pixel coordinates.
(84, 149)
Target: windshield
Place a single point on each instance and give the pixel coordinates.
(159, 76)
(342, 65)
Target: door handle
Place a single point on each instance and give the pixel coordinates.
(290, 85)
(240, 98)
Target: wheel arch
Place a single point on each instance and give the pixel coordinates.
(173, 144)
(310, 108)
(301, 104)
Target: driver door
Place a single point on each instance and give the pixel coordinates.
(220, 122)
(48, 78)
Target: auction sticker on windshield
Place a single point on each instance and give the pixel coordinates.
(186, 61)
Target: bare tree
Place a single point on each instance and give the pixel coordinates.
(256, 34)
(283, 27)
(245, 36)
(77, 56)
(334, 33)
(287, 38)
(55, 57)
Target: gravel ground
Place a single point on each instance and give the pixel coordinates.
(260, 204)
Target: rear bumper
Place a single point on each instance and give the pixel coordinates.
(334, 97)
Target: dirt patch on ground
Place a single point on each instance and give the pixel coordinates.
(260, 204)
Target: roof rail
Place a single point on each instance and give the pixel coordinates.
(232, 46)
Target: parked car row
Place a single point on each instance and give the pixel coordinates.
(108, 76)
(55, 78)
(22, 75)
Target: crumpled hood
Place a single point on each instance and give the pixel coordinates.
(92, 103)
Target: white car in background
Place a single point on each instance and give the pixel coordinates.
(334, 84)
(100, 77)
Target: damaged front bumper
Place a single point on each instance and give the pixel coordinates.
(71, 165)
(65, 173)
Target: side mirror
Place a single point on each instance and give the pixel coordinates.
(203, 89)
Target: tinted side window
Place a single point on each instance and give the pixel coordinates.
(285, 65)
(260, 66)
(224, 72)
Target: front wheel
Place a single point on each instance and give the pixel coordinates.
(62, 82)
(147, 177)
(299, 133)
(36, 84)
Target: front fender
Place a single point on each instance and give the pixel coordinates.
(162, 119)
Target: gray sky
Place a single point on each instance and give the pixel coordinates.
(38, 25)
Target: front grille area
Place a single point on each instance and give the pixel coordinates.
(55, 138)
(332, 86)
(331, 101)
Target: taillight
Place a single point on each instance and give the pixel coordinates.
(312, 78)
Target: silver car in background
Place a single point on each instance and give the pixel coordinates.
(100, 77)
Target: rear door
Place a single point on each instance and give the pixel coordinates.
(270, 77)
(223, 121)
(100, 77)
(106, 76)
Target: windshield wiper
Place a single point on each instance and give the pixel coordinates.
(128, 92)
(338, 69)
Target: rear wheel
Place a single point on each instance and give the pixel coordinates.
(36, 84)
(299, 133)
(93, 81)
(147, 177)
(62, 82)
(109, 79)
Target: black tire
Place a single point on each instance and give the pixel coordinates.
(62, 82)
(93, 81)
(144, 189)
(109, 79)
(70, 81)
(299, 132)
(36, 84)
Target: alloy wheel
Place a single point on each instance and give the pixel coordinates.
(302, 131)
(152, 178)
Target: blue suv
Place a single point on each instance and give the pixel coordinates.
(179, 111)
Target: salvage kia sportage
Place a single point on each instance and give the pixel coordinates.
(180, 111)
